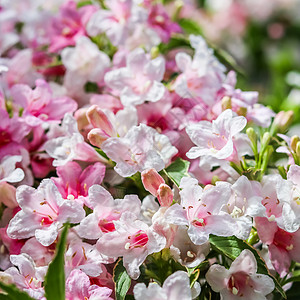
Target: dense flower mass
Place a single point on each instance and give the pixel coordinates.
(130, 163)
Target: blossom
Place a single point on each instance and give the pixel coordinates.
(106, 210)
(141, 148)
(43, 212)
(283, 246)
(117, 21)
(201, 211)
(27, 276)
(175, 287)
(215, 138)
(73, 182)
(241, 280)
(132, 239)
(202, 76)
(39, 105)
(70, 145)
(140, 80)
(78, 286)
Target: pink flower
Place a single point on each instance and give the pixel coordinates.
(43, 212)
(74, 183)
(39, 105)
(70, 145)
(27, 276)
(175, 287)
(84, 62)
(241, 280)
(201, 211)
(141, 148)
(217, 138)
(201, 77)
(155, 184)
(283, 246)
(160, 21)
(140, 80)
(106, 210)
(69, 25)
(117, 21)
(132, 239)
(78, 286)
(106, 124)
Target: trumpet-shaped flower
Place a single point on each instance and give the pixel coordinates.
(140, 80)
(201, 211)
(106, 210)
(215, 138)
(132, 239)
(141, 148)
(43, 212)
(241, 280)
(175, 287)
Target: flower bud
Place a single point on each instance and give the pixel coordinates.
(226, 103)
(98, 119)
(282, 121)
(151, 181)
(165, 195)
(298, 149)
(252, 135)
(96, 137)
(8, 195)
(294, 140)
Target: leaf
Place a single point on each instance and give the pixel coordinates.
(294, 278)
(177, 170)
(13, 293)
(232, 248)
(121, 279)
(190, 26)
(178, 41)
(55, 277)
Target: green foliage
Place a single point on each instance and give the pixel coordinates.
(121, 279)
(189, 26)
(13, 293)
(232, 247)
(159, 266)
(55, 278)
(177, 170)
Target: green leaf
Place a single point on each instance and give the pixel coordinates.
(55, 278)
(177, 170)
(178, 41)
(232, 247)
(121, 279)
(294, 278)
(13, 293)
(190, 26)
(84, 3)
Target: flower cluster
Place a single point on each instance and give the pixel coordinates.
(147, 148)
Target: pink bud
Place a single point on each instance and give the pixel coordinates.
(8, 195)
(98, 119)
(165, 195)
(81, 118)
(151, 181)
(96, 137)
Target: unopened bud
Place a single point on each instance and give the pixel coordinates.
(154, 52)
(226, 103)
(282, 121)
(98, 119)
(96, 137)
(165, 195)
(294, 140)
(8, 195)
(252, 135)
(242, 111)
(266, 139)
(298, 149)
(80, 116)
(151, 181)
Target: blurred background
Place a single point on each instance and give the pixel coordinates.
(259, 39)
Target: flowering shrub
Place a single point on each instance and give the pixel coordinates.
(131, 167)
